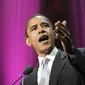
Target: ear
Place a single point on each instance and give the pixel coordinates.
(28, 42)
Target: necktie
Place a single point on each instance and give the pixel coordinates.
(45, 72)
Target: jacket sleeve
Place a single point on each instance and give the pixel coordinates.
(79, 58)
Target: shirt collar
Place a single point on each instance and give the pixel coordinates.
(51, 56)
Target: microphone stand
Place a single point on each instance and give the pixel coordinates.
(18, 79)
(27, 71)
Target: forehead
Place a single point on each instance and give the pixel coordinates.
(37, 20)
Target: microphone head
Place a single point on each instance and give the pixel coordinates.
(28, 70)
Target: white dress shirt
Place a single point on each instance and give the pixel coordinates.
(51, 56)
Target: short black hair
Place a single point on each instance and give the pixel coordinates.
(36, 16)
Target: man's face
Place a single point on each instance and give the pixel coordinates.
(40, 34)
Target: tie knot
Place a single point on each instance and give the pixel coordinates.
(45, 61)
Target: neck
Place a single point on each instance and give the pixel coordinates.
(46, 52)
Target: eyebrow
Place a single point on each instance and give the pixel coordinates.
(33, 26)
(40, 24)
(44, 23)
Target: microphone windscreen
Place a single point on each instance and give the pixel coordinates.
(28, 70)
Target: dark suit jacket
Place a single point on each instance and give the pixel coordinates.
(64, 71)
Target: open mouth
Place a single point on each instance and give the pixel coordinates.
(43, 38)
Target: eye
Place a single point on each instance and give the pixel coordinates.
(33, 28)
(45, 25)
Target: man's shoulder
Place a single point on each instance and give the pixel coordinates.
(80, 50)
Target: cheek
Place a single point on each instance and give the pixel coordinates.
(50, 30)
(52, 36)
(51, 33)
(34, 38)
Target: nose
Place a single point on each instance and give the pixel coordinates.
(40, 29)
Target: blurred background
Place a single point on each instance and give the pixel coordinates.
(15, 55)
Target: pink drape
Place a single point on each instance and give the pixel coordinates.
(15, 55)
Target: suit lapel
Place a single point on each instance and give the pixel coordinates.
(34, 77)
(57, 68)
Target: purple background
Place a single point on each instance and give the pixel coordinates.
(15, 55)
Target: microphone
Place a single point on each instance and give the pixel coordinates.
(27, 71)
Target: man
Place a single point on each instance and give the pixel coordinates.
(65, 67)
